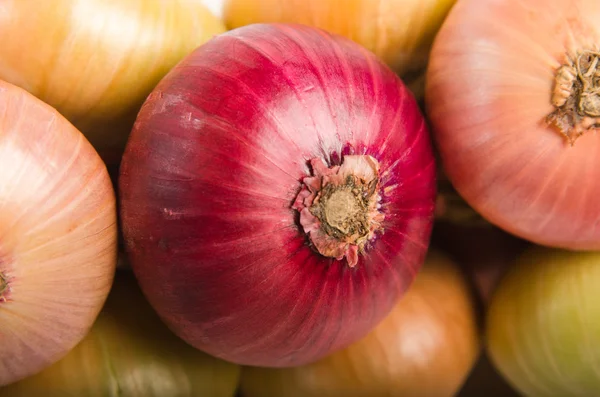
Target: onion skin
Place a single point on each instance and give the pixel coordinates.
(214, 164)
(95, 61)
(542, 327)
(425, 347)
(58, 234)
(489, 88)
(399, 32)
(130, 351)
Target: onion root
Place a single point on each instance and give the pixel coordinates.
(576, 96)
(339, 207)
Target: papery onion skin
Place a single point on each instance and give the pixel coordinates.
(400, 32)
(489, 88)
(58, 234)
(543, 332)
(214, 164)
(95, 61)
(130, 350)
(425, 347)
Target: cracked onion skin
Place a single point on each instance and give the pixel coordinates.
(58, 235)
(224, 156)
(425, 347)
(129, 352)
(491, 87)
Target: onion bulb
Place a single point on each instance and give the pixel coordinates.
(95, 61)
(543, 328)
(400, 32)
(425, 347)
(129, 353)
(58, 235)
(511, 91)
(277, 194)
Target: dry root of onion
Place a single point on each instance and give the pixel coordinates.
(576, 95)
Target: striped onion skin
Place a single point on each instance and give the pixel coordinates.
(425, 347)
(96, 61)
(491, 84)
(543, 332)
(211, 171)
(58, 234)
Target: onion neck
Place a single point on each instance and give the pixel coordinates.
(576, 95)
(339, 207)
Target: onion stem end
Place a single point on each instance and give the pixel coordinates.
(576, 96)
(340, 206)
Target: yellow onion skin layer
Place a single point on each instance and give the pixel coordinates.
(58, 235)
(95, 61)
(400, 32)
(130, 353)
(490, 82)
(543, 325)
(424, 348)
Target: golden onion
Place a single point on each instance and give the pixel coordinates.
(130, 353)
(95, 61)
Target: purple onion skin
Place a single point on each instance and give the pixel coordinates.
(215, 160)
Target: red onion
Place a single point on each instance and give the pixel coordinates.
(228, 154)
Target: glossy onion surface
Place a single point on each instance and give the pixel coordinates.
(214, 165)
(425, 347)
(95, 61)
(543, 326)
(58, 234)
(130, 353)
(490, 88)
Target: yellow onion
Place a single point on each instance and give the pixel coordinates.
(543, 326)
(130, 352)
(424, 348)
(58, 234)
(95, 61)
(400, 32)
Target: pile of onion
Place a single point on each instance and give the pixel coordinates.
(95, 61)
(399, 32)
(513, 95)
(543, 328)
(425, 347)
(277, 194)
(130, 353)
(58, 243)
